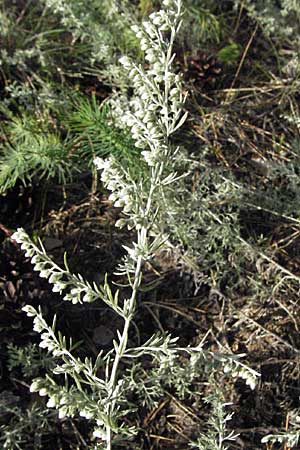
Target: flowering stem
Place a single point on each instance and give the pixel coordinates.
(152, 115)
(122, 347)
(123, 344)
(124, 338)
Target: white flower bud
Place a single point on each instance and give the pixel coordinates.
(150, 160)
(133, 73)
(38, 327)
(158, 68)
(151, 56)
(51, 402)
(120, 223)
(135, 28)
(140, 113)
(58, 287)
(29, 310)
(152, 107)
(25, 246)
(164, 111)
(34, 387)
(62, 413)
(158, 19)
(135, 129)
(153, 15)
(159, 78)
(174, 92)
(20, 235)
(164, 27)
(150, 29)
(54, 277)
(111, 185)
(119, 203)
(137, 79)
(44, 273)
(139, 144)
(144, 44)
(99, 163)
(44, 344)
(75, 291)
(88, 297)
(101, 434)
(135, 136)
(39, 266)
(35, 259)
(43, 392)
(113, 197)
(145, 95)
(125, 61)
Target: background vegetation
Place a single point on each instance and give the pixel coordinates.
(233, 273)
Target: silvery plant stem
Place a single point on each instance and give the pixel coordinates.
(123, 344)
(142, 241)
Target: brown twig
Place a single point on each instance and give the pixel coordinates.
(241, 64)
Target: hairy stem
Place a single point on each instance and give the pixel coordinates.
(123, 345)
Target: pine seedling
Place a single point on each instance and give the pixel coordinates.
(33, 151)
(97, 135)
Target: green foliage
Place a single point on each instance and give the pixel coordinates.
(104, 28)
(282, 190)
(203, 23)
(45, 50)
(62, 34)
(97, 135)
(33, 150)
(30, 359)
(278, 19)
(60, 139)
(25, 428)
(230, 53)
(216, 437)
(179, 370)
(205, 221)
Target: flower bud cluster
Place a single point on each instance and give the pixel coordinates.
(153, 114)
(116, 182)
(238, 369)
(67, 401)
(155, 111)
(124, 192)
(78, 289)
